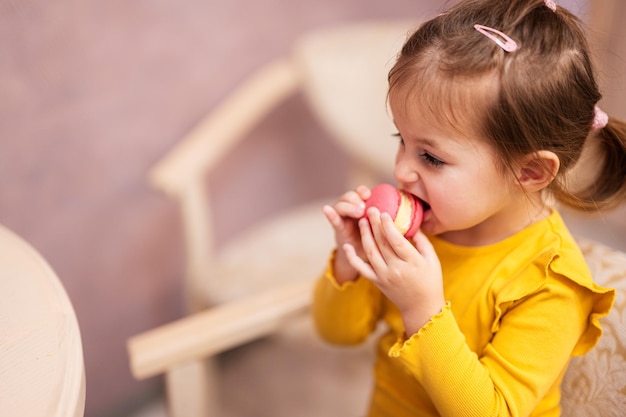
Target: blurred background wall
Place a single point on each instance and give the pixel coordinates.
(92, 93)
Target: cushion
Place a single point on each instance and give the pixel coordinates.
(595, 384)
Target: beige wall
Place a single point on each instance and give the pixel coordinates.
(92, 93)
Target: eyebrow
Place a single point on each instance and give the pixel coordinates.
(426, 142)
(421, 140)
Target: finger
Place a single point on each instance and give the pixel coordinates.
(395, 241)
(368, 242)
(423, 246)
(370, 246)
(351, 204)
(357, 263)
(333, 217)
(375, 218)
(344, 228)
(363, 192)
(367, 239)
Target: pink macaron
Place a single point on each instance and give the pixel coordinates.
(405, 209)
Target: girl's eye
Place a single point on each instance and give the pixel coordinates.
(431, 160)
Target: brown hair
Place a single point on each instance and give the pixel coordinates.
(540, 97)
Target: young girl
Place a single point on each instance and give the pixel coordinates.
(493, 101)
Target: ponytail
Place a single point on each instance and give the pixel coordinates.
(608, 188)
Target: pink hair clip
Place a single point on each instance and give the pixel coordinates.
(600, 119)
(551, 5)
(500, 39)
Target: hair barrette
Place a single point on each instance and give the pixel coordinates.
(499, 38)
(551, 5)
(600, 119)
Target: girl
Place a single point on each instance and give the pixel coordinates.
(493, 101)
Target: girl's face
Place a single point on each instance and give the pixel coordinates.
(468, 200)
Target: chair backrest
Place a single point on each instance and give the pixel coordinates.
(342, 74)
(41, 359)
(595, 384)
(344, 78)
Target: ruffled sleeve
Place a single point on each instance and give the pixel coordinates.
(569, 266)
(602, 300)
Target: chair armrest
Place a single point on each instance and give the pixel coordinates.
(221, 129)
(215, 330)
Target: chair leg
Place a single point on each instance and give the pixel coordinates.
(191, 389)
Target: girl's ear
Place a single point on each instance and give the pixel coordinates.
(537, 170)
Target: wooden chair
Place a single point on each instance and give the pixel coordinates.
(41, 360)
(342, 74)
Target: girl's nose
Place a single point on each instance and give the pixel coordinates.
(404, 172)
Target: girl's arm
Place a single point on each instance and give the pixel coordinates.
(345, 308)
(345, 313)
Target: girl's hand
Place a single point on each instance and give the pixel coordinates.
(409, 276)
(343, 217)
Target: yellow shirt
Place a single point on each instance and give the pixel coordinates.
(517, 311)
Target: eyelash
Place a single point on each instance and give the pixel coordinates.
(430, 159)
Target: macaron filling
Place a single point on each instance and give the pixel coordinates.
(406, 212)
